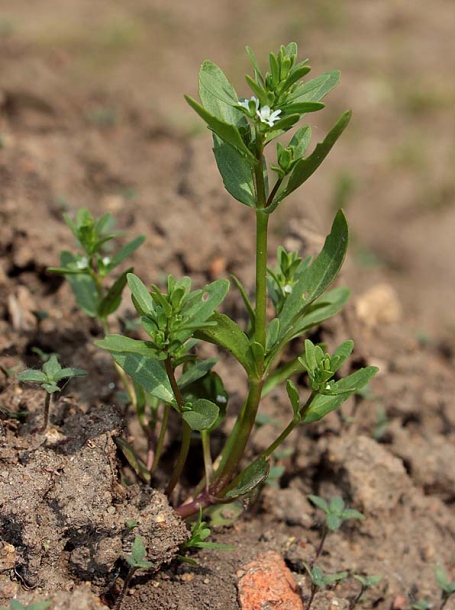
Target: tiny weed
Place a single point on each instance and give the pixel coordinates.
(49, 376)
(198, 540)
(335, 514)
(136, 562)
(320, 581)
(366, 582)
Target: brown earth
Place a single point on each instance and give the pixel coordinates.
(92, 115)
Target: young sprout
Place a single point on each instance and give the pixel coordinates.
(49, 376)
(366, 582)
(447, 587)
(198, 540)
(16, 605)
(136, 562)
(421, 605)
(320, 581)
(335, 513)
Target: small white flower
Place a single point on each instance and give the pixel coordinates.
(246, 103)
(82, 263)
(267, 116)
(287, 289)
(106, 260)
(327, 387)
(221, 399)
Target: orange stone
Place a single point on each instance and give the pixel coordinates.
(268, 583)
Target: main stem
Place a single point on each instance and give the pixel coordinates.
(238, 439)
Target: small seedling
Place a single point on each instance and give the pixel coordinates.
(136, 562)
(366, 582)
(198, 540)
(335, 514)
(447, 587)
(422, 605)
(16, 605)
(49, 376)
(320, 581)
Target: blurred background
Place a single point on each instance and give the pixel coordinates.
(81, 82)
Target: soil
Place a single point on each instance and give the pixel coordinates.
(91, 114)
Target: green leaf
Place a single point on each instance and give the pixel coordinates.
(249, 479)
(202, 307)
(52, 367)
(324, 404)
(294, 397)
(235, 171)
(82, 285)
(301, 140)
(133, 460)
(136, 559)
(336, 504)
(341, 354)
(69, 372)
(323, 308)
(126, 251)
(119, 343)
(319, 502)
(202, 416)
(317, 277)
(306, 167)
(142, 299)
(351, 513)
(227, 132)
(218, 96)
(317, 88)
(333, 522)
(113, 297)
(148, 373)
(195, 372)
(33, 376)
(227, 334)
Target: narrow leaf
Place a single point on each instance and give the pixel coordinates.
(318, 276)
(113, 297)
(33, 376)
(218, 96)
(82, 285)
(142, 299)
(235, 171)
(196, 372)
(306, 167)
(317, 88)
(249, 479)
(149, 374)
(119, 343)
(133, 460)
(227, 132)
(227, 334)
(126, 251)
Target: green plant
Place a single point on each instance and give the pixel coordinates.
(16, 605)
(136, 562)
(320, 581)
(421, 605)
(198, 540)
(366, 582)
(335, 514)
(165, 370)
(49, 376)
(447, 587)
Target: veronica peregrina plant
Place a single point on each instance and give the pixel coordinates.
(320, 581)
(165, 369)
(366, 582)
(335, 513)
(136, 561)
(49, 376)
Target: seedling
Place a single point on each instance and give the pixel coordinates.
(366, 582)
(198, 540)
(49, 376)
(136, 562)
(16, 605)
(447, 587)
(320, 581)
(335, 514)
(421, 605)
(164, 371)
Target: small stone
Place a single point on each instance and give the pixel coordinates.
(399, 603)
(268, 582)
